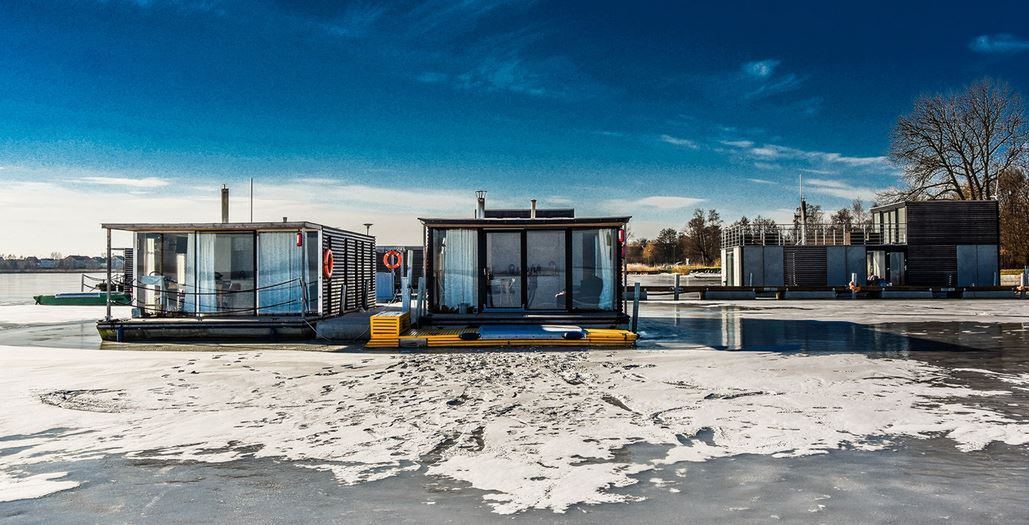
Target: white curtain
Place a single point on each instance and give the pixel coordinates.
(460, 264)
(605, 265)
(206, 285)
(189, 285)
(280, 264)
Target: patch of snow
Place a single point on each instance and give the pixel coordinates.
(14, 487)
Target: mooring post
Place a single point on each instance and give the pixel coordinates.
(1025, 280)
(635, 306)
(405, 294)
(675, 294)
(423, 303)
(108, 316)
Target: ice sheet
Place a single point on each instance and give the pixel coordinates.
(34, 314)
(536, 430)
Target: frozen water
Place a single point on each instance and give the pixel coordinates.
(532, 432)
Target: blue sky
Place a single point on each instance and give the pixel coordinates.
(353, 112)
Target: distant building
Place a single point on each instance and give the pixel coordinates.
(918, 243)
(387, 282)
(43, 264)
(76, 262)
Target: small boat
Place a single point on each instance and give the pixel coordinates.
(82, 299)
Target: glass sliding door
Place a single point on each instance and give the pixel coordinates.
(456, 270)
(545, 260)
(280, 265)
(164, 271)
(313, 273)
(503, 270)
(225, 273)
(593, 269)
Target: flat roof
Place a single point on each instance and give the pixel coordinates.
(936, 202)
(218, 226)
(526, 223)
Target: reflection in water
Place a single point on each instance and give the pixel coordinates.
(733, 328)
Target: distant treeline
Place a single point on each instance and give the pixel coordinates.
(699, 241)
(57, 261)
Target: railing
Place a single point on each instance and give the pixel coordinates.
(813, 235)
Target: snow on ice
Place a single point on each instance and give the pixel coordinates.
(534, 430)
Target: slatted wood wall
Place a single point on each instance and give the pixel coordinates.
(952, 222)
(805, 265)
(355, 267)
(932, 265)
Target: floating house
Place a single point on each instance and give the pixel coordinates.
(524, 266)
(917, 243)
(242, 280)
(387, 279)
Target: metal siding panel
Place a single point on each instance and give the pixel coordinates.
(774, 274)
(857, 264)
(836, 266)
(988, 265)
(968, 265)
(753, 266)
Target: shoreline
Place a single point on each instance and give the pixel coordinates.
(60, 270)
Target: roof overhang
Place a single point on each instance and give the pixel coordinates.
(528, 224)
(212, 226)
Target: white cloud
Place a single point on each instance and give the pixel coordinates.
(781, 84)
(72, 220)
(760, 181)
(998, 43)
(839, 189)
(766, 166)
(679, 141)
(761, 68)
(668, 202)
(145, 182)
(738, 143)
(768, 152)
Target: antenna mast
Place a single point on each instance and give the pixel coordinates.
(803, 214)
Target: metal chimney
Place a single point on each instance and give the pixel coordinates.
(480, 204)
(225, 203)
(532, 208)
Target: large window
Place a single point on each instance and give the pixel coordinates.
(287, 274)
(225, 273)
(503, 269)
(164, 282)
(456, 269)
(593, 269)
(545, 270)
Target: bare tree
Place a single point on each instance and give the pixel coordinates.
(860, 215)
(703, 236)
(954, 146)
(1013, 193)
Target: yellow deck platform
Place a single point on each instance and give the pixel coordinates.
(392, 330)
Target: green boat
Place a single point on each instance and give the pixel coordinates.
(82, 299)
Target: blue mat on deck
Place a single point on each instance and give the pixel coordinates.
(546, 331)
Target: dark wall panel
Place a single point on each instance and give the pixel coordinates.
(932, 265)
(952, 222)
(805, 265)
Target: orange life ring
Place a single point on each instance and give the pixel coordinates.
(854, 287)
(393, 259)
(328, 264)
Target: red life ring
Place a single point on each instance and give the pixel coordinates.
(393, 259)
(328, 264)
